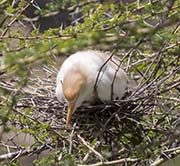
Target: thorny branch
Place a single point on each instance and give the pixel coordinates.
(15, 18)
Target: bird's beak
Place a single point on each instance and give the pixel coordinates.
(69, 114)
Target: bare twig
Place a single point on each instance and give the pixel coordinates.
(99, 73)
(120, 161)
(23, 152)
(175, 152)
(90, 148)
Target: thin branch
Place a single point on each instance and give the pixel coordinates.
(90, 148)
(14, 19)
(175, 153)
(23, 152)
(100, 70)
(121, 161)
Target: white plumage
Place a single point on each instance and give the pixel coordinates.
(83, 70)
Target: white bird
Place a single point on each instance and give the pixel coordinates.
(90, 74)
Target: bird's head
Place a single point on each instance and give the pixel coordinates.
(73, 85)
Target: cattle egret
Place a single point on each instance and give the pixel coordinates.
(90, 74)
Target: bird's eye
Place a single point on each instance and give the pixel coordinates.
(61, 82)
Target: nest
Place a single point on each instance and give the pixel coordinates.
(127, 130)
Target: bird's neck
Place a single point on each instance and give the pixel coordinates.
(73, 82)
